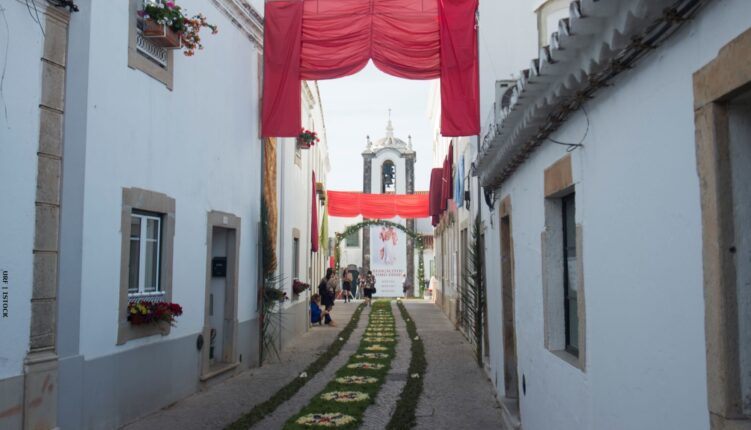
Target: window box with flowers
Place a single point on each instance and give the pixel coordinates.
(167, 25)
(144, 312)
(307, 139)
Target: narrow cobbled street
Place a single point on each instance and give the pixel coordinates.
(451, 369)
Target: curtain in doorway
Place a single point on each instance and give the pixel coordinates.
(413, 39)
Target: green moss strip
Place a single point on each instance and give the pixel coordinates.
(406, 407)
(285, 393)
(382, 318)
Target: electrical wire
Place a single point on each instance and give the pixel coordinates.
(572, 146)
(35, 16)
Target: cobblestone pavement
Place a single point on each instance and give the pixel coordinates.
(289, 408)
(219, 405)
(378, 415)
(456, 393)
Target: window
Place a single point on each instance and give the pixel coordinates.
(353, 240)
(147, 225)
(296, 258)
(570, 300)
(145, 249)
(562, 268)
(388, 178)
(145, 56)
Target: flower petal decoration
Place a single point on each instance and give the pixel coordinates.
(345, 396)
(356, 380)
(325, 420)
(365, 366)
(376, 348)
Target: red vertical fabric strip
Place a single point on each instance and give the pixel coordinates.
(314, 219)
(436, 187)
(281, 113)
(460, 88)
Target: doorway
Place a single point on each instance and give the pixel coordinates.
(510, 369)
(220, 322)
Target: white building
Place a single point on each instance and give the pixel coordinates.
(617, 276)
(133, 173)
(296, 167)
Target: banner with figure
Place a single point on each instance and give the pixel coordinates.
(388, 259)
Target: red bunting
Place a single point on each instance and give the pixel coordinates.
(347, 204)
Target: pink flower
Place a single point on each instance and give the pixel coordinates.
(170, 4)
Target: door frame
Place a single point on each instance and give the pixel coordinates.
(508, 291)
(232, 223)
(728, 75)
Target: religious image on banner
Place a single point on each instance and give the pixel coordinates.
(388, 260)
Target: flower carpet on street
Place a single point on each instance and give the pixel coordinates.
(345, 396)
(356, 380)
(376, 348)
(365, 366)
(354, 387)
(378, 339)
(372, 355)
(325, 420)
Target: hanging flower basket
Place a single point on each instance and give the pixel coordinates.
(299, 287)
(161, 35)
(307, 138)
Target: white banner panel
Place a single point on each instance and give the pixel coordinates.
(388, 260)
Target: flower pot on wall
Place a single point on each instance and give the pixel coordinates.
(303, 144)
(161, 35)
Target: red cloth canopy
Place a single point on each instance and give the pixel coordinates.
(377, 206)
(413, 39)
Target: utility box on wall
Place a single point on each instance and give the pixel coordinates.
(219, 267)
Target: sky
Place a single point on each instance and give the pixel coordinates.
(357, 106)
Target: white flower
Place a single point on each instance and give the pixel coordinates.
(304, 375)
(417, 337)
(415, 376)
(341, 339)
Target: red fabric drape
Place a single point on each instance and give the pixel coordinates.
(281, 113)
(436, 188)
(460, 86)
(327, 39)
(377, 206)
(314, 219)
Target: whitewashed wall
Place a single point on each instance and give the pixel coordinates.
(638, 203)
(19, 142)
(197, 144)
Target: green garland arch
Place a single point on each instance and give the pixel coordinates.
(417, 237)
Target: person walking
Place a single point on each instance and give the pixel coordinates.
(347, 285)
(327, 295)
(369, 287)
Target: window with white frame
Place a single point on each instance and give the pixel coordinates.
(145, 254)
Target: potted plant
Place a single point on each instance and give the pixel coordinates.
(166, 25)
(145, 312)
(299, 287)
(307, 138)
(274, 295)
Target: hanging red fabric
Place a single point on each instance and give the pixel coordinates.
(413, 39)
(377, 206)
(314, 219)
